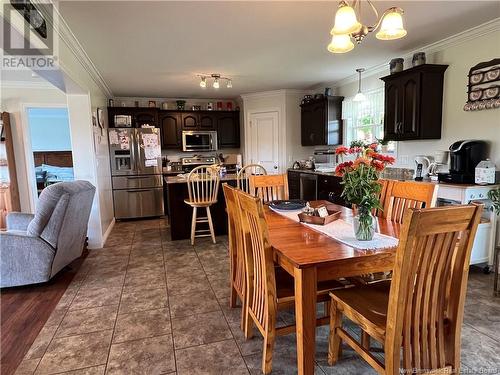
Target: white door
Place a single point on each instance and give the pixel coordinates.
(264, 143)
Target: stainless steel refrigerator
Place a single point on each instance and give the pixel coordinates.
(136, 172)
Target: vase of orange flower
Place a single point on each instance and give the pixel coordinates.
(361, 187)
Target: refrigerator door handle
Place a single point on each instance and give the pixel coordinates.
(133, 136)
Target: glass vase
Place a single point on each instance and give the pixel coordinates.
(364, 225)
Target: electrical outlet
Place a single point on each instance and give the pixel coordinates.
(404, 160)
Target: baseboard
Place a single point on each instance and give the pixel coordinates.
(108, 231)
(99, 245)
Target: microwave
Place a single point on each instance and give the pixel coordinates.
(199, 140)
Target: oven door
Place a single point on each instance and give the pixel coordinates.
(199, 141)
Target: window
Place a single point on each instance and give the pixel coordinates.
(364, 121)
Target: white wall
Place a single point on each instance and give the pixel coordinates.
(457, 124)
(49, 129)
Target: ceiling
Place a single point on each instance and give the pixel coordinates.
(155, 49)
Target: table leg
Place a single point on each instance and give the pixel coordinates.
(305, 317)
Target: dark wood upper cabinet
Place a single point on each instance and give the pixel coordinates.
(321, 121)
(170, 129)
(172, 123)
(190, 121)
(228, 129)
(414, 103)
(138, 116)
(199, 120)
(208, 121)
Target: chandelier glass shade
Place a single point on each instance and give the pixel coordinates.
(348, 26)
(340, 44)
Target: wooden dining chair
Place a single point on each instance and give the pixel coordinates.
(203, 187)
(269, 288)
(242, 177)
(271, 187)
(236, 255)
(402, 195)
(418, 316)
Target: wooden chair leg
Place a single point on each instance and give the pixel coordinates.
(248, 331)
(211, 224)
(233, 297)
(365, 340)
(267, 356)
(334, 341)
(193, 225)
(243, 315)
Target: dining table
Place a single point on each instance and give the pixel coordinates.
(310, 256)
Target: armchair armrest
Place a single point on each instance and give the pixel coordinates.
(24, 259)
(18, 220)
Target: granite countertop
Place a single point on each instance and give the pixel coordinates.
(181, 179)
(400, 178)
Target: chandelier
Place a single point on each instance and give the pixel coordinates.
(216, 80)
(347, 26)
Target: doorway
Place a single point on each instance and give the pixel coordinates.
(48, 152)
(264, 140)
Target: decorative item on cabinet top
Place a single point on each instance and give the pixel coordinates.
(483, 88)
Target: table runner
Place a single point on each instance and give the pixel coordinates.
(343, 231)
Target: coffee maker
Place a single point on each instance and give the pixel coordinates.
(464, 156)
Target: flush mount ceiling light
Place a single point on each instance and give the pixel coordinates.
(360, 97)
(347, 26)
(216, 80)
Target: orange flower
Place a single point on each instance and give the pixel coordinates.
(360, 161)
(341, 150)
(341, 169)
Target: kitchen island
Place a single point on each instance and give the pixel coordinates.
(180, 214)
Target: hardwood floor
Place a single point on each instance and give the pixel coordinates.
(24, 311)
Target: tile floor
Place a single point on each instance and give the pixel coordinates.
(146, 305)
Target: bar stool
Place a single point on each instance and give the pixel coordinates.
(243, 176)
(203, 186)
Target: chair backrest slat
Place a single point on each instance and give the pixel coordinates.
(270, 187)
(401, 195)
(243, 176)
(261, 283)
(426, 300)
(235, 234)
(203, 184)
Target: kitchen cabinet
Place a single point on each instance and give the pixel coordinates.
(413, 103)
(294, 184)
(138, 116)
(328, 187)
(321, 121)
(228, 129)
(199, 120)
(170, 129)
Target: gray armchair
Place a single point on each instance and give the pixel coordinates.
(35, 247)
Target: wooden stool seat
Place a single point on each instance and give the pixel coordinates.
(198, 204)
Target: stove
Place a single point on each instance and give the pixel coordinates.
(189, 163)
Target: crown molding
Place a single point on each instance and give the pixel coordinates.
(63, 31)
(264, 94)
(462, 37)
